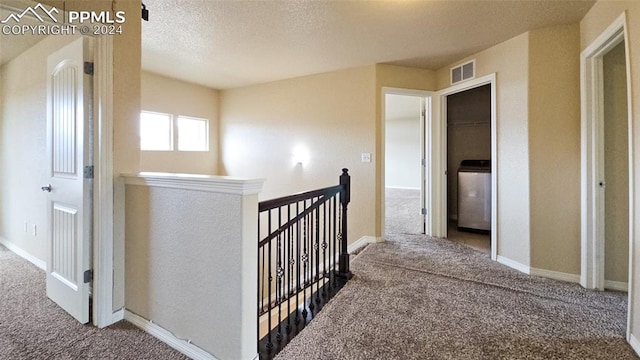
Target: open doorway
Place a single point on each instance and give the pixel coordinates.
(616, 170)
(404, 171)
(437, 172)
(469, 167)
(606, 165)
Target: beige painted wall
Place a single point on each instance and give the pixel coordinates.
(538, 146)
(510, 60)
(191, 268)
(593, 24)
(336, 116)
(616, 166)
(127, 55)
(554, 148)
(166, 95)
(331, 116)
(23, 162)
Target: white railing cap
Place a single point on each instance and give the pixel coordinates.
(198, 182)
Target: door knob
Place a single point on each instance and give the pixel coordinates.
(47, 188)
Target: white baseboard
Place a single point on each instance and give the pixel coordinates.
(616, 285)
(184, 346)
(635, 344)
(117, 316)
(23, 254)
(362, 242)
(513, 264)
(556, 275)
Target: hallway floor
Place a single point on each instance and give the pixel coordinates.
(34, 327)
(477, 241)
(416, 297)
(402, 216)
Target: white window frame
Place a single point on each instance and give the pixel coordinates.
(172, 135)
(175, 131)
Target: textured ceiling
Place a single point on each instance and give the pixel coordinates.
(226, 44)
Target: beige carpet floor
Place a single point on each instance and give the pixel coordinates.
(34, 327)
(417, 297)
(402, 211)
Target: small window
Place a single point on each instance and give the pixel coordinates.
(156, 131)
(164, 132)
(193, 134)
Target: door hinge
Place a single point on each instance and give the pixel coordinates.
(423, 162)
(88, 68)
(88, 276)
(88, 172)
(423, 211)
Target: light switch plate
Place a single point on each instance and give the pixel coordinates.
(366, 157)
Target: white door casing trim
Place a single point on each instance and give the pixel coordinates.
(635, 344)
(592, 128)
(103, 314)
(425, 115)
(438, 186)
(426, 169)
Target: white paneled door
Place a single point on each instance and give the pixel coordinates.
(69, 178)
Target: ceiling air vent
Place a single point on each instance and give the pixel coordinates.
(463, 72)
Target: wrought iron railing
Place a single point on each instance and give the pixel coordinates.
(302, 260)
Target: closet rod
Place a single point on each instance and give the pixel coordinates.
(475, 123)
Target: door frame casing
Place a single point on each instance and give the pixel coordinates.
(592, 162)
(103, 234)
(426, 96)
(438, 154)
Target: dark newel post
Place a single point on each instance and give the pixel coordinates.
(345, 197)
